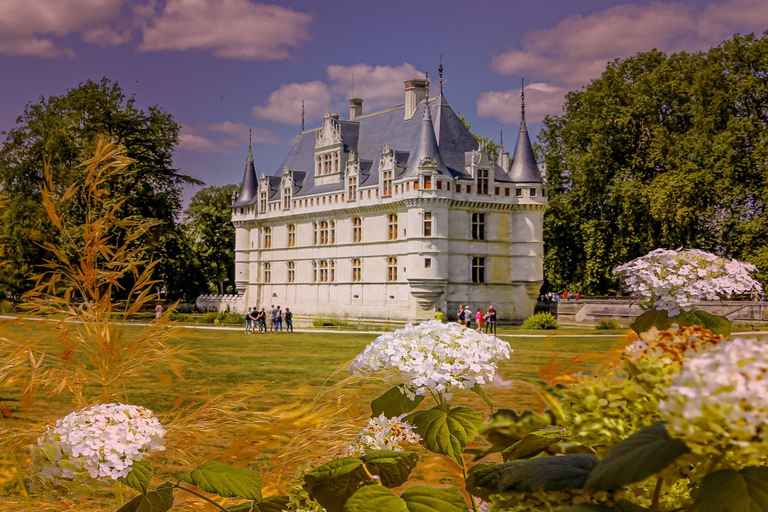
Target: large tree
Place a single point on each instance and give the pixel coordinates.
(208, 222)
(62, 130)
(660, 151)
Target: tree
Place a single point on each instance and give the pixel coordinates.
(61, 130)
(490, 144)
(208, 222)
(660, 151)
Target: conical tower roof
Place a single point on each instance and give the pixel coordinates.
(524, 168)
(427, 147)
(250, 185)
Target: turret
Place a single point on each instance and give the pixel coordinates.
(249, 186)
(524, 168)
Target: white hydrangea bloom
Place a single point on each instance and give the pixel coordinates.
(382, 433)
(434, 355)
(674, 280)
(101, 441)
(718, 403)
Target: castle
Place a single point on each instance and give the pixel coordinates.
(391, 215)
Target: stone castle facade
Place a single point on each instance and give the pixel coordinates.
(391, 215)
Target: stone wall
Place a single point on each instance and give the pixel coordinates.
(224, 303)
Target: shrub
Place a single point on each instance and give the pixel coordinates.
(321, 321)
(232, 318)
(539, 321)
(6, 307)
(209, 318)
(180, 317)
(607, 324)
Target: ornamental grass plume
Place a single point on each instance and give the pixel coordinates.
(674, 280)
(718, 403)
(433, 356)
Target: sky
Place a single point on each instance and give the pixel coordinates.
(220, 66)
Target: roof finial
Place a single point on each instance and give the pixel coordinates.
(302, 116)
(501, 136)
(353, 84)
(426, 77)
(440, 72)
(522, 102)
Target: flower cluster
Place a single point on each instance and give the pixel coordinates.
(101, 441)
(434, 356)
(674, 280)
(718, 403)
(382, 433)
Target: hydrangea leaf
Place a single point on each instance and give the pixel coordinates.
(393, 468)
(636, 458)
(226, 481)
(394, 403)
(446, 433)
(715, 323)
(535, 443)
(139, 477)
(158, 500)
(651, 318)
(550, 473)
(732, 491)
(481, 393)
(271, 504)
(419, 498)
(334, 482)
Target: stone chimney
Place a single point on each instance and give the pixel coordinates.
(415, 91)
(355, 108)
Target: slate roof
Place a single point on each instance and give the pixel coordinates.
(524, 168)
(248, 188)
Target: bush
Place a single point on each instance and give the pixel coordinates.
(232, 318)
(321, 321)
(539, 321)
(607, 324)
(180, 317)
(6, 307)
(221, 318)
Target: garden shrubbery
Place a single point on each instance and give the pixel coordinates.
(607, 324)
(222, 318)
(540, 321)
(6, 307)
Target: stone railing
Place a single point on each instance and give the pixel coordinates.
(225, 303)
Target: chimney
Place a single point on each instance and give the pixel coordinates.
(355, 108)
(415, 91)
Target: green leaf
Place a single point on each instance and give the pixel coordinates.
(158, 500)
(636, 458)
(419, 498)
(731, 491)
(715, 323)
(334, 482)
(226, 481)
(534, 443)
(622, 506)
(139, 477)
(394, 403)
(271, 504)
(393, 468)
(651, 318)
(446, 433)
(481, 393)
(550, 473)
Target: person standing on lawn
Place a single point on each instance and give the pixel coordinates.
(460, 315)
(468, 317)
(479, 319)
(248, 321)
(262, 319)
(288, 320)
(279, 320)
(440, 315)
(490, 326)
(272, 318)
(158, 311)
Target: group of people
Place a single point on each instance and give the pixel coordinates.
(557, 297)
(257, 319)
(467, 317)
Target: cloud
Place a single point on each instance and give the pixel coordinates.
(578, 48)
(379, 86)
(541, 99)
(231, 29)
(33, 28)
(206, 137)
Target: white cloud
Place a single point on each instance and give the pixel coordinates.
(32, 27)
(378, 86)
(232, 29)
(578, 48)
(540, 99)
(199, 144)
(207, 137)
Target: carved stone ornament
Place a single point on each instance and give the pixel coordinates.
(330, 133)
(476, 157)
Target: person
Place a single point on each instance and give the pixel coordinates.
(440, 315)
(565, 295)
(479, 319)
(490, 326)
(248, 321)
(460, 315)
(468, 317)
(272, 318)
(262, 319)
(279, 320)
(288, 320)
(158, 311)
(577, 296)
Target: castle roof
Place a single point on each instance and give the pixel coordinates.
(250, 184)
(524, 168)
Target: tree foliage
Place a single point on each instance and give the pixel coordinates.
(660, 151)
(61, 130)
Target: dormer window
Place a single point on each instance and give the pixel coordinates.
(352, 188)
(482, 181)
(263, 202)
(286, 198)
(386, 182)
(427, 182)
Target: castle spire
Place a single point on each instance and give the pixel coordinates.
(250, 144)
(522, 106)
(440, 72)
(302, 116)
(249, 186)
(524, 168)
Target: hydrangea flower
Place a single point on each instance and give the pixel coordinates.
(675, 280)
(718, 403)
(98, 442)
(434, 356)
(382, 433)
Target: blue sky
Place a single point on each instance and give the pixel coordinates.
(219, 65)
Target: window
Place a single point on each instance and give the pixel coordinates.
(391, 269)
(469, 189)
(357, 270)
(324, 271)
(407, 186)
(318, 165)
(478, 269)
(286, 198)
(357, 229)
(478, 226)
(314, 271)
(323, 232)
(427, 223)
(267, 238)
(458, 188)
(352, 188)
(439, 184)
(392, 223)
(506, 191)
(482, 181)
(332, 266)
(262, 202)
(267, 272)
(291, 271)
(314, 233)
(386, 183)
(518, 192)
(427, 262)
(427, 182)
(333, 232)
(496, 191)
(543, 192)
(291, 235)
(532, 192)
